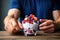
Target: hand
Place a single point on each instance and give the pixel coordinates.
(12, 25)
(47, 25)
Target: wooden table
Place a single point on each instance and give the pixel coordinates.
(42, 36)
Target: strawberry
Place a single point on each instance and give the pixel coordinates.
(35, 18)
(32, 16)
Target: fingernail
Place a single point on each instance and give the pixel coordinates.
(40, 19)
(40, 24)
(40, 27)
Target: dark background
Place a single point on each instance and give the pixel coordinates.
(4, 7)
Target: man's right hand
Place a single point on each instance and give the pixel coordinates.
(12, 25)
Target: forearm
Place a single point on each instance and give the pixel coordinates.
(56, 15)
(14, 13)
(57, 24)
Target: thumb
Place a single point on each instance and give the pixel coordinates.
(43, 20)
(20, 25)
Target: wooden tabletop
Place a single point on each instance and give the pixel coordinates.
(41, 36)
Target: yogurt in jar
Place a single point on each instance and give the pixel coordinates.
(30, 25)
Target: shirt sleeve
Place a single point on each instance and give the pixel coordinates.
(15, 4)
(56, 5)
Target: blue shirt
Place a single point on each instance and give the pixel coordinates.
(41, 8)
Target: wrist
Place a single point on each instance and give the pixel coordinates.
(57, 26)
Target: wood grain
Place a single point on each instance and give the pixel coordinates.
(41, 36)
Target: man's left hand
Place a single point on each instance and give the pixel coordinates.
(47, 25)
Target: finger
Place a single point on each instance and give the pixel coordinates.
(18, 27)
(48, 22)
(49, 30)
(6, 28)
(15, 25)
(47, 27)
(43, 20)
(14, 22)
(10, 26)
(7, 25)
